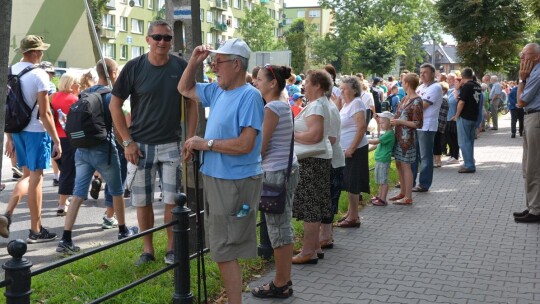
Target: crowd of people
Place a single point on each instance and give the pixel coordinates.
(308, 132)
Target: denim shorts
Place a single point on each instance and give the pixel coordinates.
(165, 159)
(280, 229)
(381, 173)
(33, 150)
(89, 160)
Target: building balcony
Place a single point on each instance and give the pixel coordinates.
(282, 23)
(110, 5)
(220, 27)
(219, 5)
(108, 33)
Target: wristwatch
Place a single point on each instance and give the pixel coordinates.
(126, 143)
(522, 81)
(210, 143)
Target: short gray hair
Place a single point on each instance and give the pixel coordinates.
(243, 61)
(157, 23)
(354, 84)
(429, 66)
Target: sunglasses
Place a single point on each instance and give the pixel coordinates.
(159, 37)
(269, 67)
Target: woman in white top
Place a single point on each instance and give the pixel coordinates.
(276, 149)
(369, 102)
(312, 198)
(355, 145)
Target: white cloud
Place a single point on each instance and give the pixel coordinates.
(300, 3)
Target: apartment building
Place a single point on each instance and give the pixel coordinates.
(316, 15)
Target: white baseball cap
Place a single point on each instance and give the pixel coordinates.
(386, 114)
(234, 46)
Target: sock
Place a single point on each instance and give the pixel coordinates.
(66, 236)
(122, 228)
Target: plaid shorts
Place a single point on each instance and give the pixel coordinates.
(166, 160)
(381, 173)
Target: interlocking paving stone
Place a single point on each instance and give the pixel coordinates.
(457, 243)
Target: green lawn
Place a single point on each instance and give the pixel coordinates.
(93, 277)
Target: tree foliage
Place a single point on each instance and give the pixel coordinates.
(489, 32)
(299, 38)
(257, 28)
(401, 23)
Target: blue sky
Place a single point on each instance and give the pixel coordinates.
(302, 2)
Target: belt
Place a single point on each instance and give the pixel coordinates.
(531, 111)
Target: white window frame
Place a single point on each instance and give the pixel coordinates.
(108, 21)
(314, 14)
(124, 51)
(109, 50)
(236, 22)
(139, 3)
(123, 24)
(161, 4)
(209, 38)
(150, 4)
(301, 14)
(202, 14)
(211, 15)
(236, 4)
(139, 50)
(137, 26)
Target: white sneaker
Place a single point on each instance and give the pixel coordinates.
(452, 161)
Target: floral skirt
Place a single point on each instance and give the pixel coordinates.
(312, 197)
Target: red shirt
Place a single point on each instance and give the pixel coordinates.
(61, 100)
(296, 109)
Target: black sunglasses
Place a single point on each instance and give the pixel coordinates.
(159, 37)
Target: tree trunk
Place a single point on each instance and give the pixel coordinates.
(5, 33)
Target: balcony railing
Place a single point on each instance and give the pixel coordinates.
(219, 4)
(108, 32)
(221, 27)
(264, 1)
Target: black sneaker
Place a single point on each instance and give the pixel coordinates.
(55, 182)
(96, 187)
(130, 232)
(17, 173)
(67, 247)
(43, 236)
(145, 258)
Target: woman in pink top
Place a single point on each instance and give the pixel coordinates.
(68, 91)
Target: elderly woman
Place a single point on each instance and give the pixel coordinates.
(355, 146)
(276, 154)
(409, 117)
(312, 202)
(68, 89)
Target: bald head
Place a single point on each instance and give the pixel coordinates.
(531, 52)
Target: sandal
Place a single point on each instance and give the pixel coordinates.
(348, 224)
(273, 291)
(397, 197)
(320, 255)
(329, 244)
(379, 202)
(404, 201)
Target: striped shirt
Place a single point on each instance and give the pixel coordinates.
(279, 146)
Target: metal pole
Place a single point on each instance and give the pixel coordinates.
(182, 288)
(264, 249)
(96, 38)
(17, 273)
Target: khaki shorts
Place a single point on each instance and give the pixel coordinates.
(229, 237)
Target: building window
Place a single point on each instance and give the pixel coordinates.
(138, 3)
(161, 4)
(301, 14)
(315, 14)
(108, 21)
(123, 24)
(108, 50)
(123, 1)
(288, 21)
(236, 4)
(137, 26)
(136, 51)
(236, 22)
(245, 4)
(202, 37)
(209, 17)
(150, 4)
(202, 14)
(209, 38)
(123, 51)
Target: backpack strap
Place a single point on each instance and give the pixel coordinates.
(21, 74)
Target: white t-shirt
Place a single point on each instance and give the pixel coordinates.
(348, 124)
(431, 94)
(316, 107)
(367, 99)
(32, 82)
(338, 158)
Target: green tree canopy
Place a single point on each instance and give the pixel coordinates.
(299, 38)
(257, 28)
(489, 32)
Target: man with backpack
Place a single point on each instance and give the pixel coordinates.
(153, 141)
(89, 128)
(29, 136)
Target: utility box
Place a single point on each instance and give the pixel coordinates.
(270, 57)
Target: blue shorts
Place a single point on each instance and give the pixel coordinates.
(33, 150)
(89, 160)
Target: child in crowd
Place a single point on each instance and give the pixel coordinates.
(383, 157)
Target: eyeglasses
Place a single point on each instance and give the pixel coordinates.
(269, 67)
(214, 64)
(159, 37)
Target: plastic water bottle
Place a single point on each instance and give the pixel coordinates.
(244, 211)
(62, 118)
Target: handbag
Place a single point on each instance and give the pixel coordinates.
(304, 151)
(273, 198)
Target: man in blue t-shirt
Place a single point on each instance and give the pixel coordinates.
(102, 158)
(231, 165)
(516, 114)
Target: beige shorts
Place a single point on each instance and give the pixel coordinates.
(227, 236)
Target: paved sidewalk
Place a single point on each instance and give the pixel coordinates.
(458, 243)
